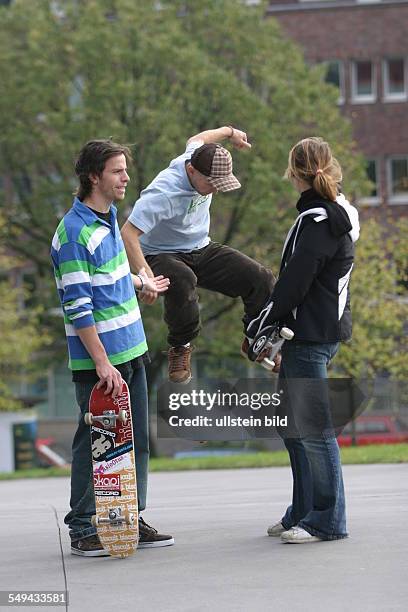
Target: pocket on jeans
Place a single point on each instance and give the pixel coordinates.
(317, 353)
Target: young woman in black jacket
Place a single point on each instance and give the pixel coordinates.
(311, 297)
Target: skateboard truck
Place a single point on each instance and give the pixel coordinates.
(115, 517)
(107, 419)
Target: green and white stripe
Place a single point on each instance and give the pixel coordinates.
(91, 236)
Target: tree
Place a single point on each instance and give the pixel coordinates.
(379, 304)
(152, 75)
(20, 338)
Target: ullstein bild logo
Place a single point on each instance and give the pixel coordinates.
(107, 482)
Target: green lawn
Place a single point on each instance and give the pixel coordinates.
(382, 453)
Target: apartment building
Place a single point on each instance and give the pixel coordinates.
(364, 44)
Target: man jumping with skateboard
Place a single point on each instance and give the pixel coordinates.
(168, 233)
(106, 340)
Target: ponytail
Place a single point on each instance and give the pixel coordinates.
(312, 161)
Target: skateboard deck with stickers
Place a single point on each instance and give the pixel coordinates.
(114, 472)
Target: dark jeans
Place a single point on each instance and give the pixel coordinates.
(215, 267)
(318, 502)
(82, 497)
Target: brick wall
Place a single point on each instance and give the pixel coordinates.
(352, 32)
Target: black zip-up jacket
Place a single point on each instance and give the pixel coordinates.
(311, 295)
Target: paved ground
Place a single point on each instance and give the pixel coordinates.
(222, 559)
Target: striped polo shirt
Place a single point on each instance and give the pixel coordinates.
(95, 287)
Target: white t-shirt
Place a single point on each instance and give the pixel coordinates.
(171, 214)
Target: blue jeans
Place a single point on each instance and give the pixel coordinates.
(318, 503)
(82, 496)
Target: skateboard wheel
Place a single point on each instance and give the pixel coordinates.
(95, 521)
(88, 418)
(267, 363)
(123, 416)
(129, 518)
(286, 333)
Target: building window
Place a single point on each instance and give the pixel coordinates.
(372, 171)
(395, 79)
(335, 76)
(397, 171)
(363, 85)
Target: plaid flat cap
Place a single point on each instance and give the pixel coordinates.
(215, 162)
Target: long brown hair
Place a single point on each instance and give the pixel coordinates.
(312, 161)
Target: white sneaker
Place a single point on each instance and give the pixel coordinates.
(276, 530)
(297, 535)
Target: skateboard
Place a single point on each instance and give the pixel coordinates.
(114, 472)
(271, 336)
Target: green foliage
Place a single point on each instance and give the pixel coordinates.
(20, 339)
(154, 77)
(379, 303)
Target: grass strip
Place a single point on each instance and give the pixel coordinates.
(381, 453)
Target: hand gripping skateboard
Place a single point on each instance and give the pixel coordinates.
(114, 473)
(269, 337)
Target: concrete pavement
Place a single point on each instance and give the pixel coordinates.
(222, 559)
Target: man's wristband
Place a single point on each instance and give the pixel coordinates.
(141, 280)
(232, 131)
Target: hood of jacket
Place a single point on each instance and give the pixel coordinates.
(352, 213)
(341, 215)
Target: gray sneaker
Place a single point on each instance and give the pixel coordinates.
(276, 530)
(297, 535)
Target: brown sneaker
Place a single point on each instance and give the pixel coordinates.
(179, 364)
(89, 547)
(263, 357)
(150, 538)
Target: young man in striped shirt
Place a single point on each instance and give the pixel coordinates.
(106, 340)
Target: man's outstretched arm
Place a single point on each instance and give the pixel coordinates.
(130, 234)
(236, 137)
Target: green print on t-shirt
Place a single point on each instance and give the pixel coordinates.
(196, 202)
